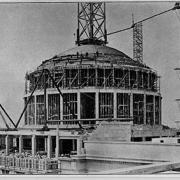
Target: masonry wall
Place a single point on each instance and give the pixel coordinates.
(133, 150)
(112, 131)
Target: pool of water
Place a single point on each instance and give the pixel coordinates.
(93, 166)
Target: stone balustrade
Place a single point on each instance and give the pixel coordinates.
(28, 164)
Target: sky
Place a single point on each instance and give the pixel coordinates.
(33, 32)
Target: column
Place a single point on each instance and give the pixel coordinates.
(20, 144)
(137, 80)
(78, 106)
(87, 77)
(123, 81)
(160, 110)
(57, 142)
(35, 109)
(159, 84)
(148, 82)
(47, 104)
(142, 75)
(46, 144)
(7, 144)
(131, 105)
(144, 108)
(129, 78)
(97, 105)
(79, 146)
(113, 77)
(154, 114)
(96, 74)
(65, 80)
(61, 108)
(49, 146)
(79, 76)
(115, 105)
(104, 77)
(73, 141)
(33, 147)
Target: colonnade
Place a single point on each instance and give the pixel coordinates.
(48, 144)
(59, 108)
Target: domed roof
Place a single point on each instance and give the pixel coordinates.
(103, 51)
(92, 49)
(88, 52)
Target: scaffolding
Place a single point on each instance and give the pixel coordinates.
(106, 77)
(92, 105)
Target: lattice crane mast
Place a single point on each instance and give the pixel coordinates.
(138, 33)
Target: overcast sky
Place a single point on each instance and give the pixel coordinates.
(31, 33)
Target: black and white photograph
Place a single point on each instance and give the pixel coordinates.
(89, 88)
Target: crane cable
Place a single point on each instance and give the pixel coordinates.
(139, 22)
(177, 6)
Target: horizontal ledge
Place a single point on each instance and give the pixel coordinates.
(73, 120)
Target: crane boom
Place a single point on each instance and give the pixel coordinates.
(138, 34)
(177, 6)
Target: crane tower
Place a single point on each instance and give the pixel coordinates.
(138, 42)
(91, 23)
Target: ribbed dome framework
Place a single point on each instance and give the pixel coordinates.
(92, 49)
(89, 52)
(98, 82)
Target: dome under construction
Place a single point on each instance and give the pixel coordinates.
(87, 106)
(97, 83)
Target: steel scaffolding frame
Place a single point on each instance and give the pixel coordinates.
(101, 78)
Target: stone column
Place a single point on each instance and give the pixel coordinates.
(148, 85)
(79, 146)
(137, 80)
(73, 141)
(35, 103)
(160, 109)
(131, 105)
(129, 74)
(115, 105)
(46, 144)
(7, 144)
(97, 105)
(57, 146)
(20, 144)
(104, 82)
(142, 79)
(33, 147)
(144, 108)
(78, 106)
(113, 77)
(154, 114)
(47, 113)
(57, 142)
(61, 109)
(49, 146)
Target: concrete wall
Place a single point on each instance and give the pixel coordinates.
(112, 131)
(168, 140)
(152, 131)
(133, 150)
